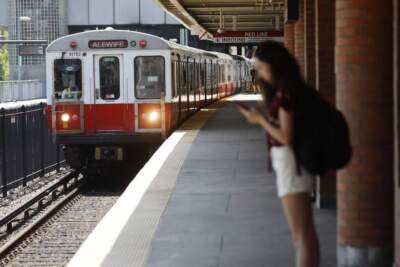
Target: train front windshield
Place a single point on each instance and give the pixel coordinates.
(149, 77)
(68, 79)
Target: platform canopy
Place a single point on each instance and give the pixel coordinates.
(229, 20)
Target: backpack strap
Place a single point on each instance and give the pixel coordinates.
(296, 158)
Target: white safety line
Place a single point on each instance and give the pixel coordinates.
(99, 243)
(245, 97)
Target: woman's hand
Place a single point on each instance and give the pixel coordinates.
(252, 115)
(282, 134)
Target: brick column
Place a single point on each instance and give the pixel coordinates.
(309, 41)
(288, 36)
(364, 79)
(299, 37)
(325, 84)
(396, 98)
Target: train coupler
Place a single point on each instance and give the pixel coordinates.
(108, 153)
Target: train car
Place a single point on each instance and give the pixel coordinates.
(110, 91)
(243, 67)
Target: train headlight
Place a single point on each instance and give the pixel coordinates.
(65, 117)
(153, 116)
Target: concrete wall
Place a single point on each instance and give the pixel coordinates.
(3, 13)
(116, 12)
(107, 12)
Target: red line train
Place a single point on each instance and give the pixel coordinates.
(110, 91)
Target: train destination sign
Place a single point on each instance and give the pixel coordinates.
(104, 44)
(247, 37)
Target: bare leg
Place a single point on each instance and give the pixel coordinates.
(298, 211)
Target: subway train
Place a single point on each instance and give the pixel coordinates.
(112, 91)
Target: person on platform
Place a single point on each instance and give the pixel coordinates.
(253, 74)
(282, 84)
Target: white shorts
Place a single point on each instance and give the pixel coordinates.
(287, 179)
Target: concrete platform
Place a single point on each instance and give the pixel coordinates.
(204, 199)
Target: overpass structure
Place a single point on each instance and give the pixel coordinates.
(229, 21)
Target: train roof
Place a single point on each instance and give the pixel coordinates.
(132, 37)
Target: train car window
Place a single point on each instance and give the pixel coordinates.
(173, 78)
(109, 78)
(199, 74)
(183, 78)
(191, 76)
(196, 75)
(223, 73)
(149, 77)
(68, 79)
(188, 76)
(202, 74)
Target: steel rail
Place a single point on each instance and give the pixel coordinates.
(13, 244)
(38, 199)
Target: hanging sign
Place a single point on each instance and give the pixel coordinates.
(247, 36)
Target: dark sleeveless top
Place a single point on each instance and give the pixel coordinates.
(280, 100)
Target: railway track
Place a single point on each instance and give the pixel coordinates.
(49, 228)
(33, 214)
(55, 235)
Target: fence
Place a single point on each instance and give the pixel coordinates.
(26, 148)
(21, 90)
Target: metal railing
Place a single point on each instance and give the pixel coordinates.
(21, 90)
(26, 149)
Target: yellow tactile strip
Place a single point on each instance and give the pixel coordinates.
(198, 120)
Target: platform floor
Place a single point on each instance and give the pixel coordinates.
(212, 203)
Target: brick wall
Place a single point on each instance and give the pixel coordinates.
(309, 41)
(299, 37)
(364, 57)
(288, 37)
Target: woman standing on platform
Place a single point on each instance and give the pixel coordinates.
(283, 83)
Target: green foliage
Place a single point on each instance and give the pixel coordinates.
(4, 58)
(4, 66)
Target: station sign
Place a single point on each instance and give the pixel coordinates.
(31, 50)
(106, 44)
(247, 36)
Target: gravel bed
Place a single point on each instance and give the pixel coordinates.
(4, 237)
(19, 195)
(59, 241)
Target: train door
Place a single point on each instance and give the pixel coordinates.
(109, 94)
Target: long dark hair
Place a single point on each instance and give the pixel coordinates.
(285, 71)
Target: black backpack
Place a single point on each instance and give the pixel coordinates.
(321, 135)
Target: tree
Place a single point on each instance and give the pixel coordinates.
(4, 59)
(4, 64)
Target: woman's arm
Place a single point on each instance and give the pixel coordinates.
(283, 134)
